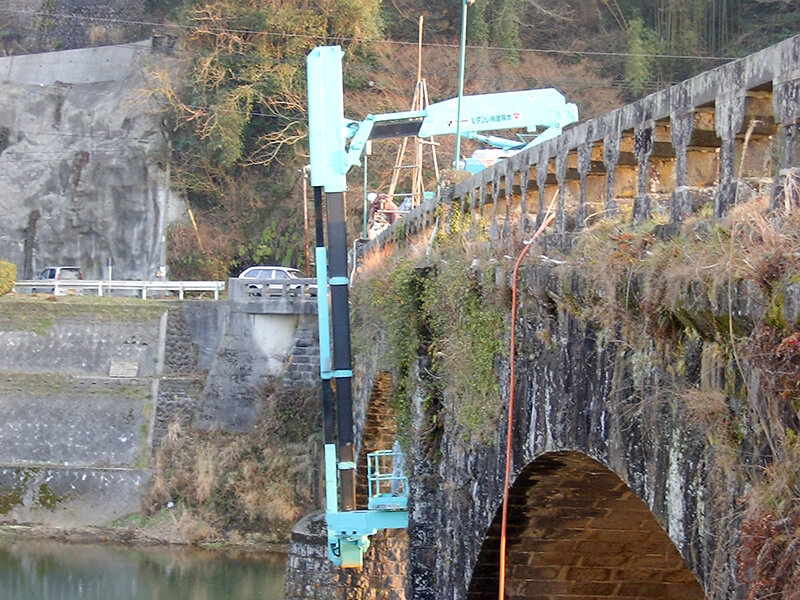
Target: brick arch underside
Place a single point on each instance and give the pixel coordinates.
(575, 530)
(380, 431)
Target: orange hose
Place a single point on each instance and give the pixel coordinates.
(511, 389)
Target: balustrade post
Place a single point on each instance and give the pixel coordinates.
(610, 159)
(541, 182)
(728, 121)
(561, 175)
(643, 146)
(524, 178)
(584, 160)
(681, 127)
(785, 103)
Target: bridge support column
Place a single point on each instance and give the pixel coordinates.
(728, 123)
(643, 147)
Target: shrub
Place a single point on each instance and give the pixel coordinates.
(261, 480)
(8, 275)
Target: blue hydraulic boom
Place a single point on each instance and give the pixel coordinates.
(541, 113)
(349, 529)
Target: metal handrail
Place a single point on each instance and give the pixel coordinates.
(388, 485)
(103, 287)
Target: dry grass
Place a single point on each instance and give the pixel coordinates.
(720, 287)
(634, 268)
(260, 481)
(769, 553)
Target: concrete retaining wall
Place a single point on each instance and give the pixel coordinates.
(64, 497)
(74, 346)
(88, 391)
(82, 66)
(252, 349)
(74, 429)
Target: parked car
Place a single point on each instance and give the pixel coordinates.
(271, 281)
(62, 275)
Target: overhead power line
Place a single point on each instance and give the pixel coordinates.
(189, 28)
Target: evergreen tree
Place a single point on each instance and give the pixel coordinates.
(638, 64)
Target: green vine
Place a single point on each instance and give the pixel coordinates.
(444, 310)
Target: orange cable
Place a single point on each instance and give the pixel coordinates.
(512, 375)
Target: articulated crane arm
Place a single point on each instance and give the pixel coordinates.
(538, 111)
(543, 113)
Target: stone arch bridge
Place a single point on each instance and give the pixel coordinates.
(655, 370)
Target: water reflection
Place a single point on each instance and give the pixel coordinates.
(52, 571)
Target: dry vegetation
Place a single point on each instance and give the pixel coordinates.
(261, 482)
(703, 291)
(442, 307)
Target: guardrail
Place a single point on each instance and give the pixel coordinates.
(105, 287)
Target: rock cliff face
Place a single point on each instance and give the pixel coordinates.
(39, 26)
(78, 180)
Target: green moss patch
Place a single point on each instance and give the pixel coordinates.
(49, 384)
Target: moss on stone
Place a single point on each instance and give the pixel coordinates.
(773, 316)
(10, 499)
(47, 498)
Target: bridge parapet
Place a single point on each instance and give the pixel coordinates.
(711, 141)
(289, 297)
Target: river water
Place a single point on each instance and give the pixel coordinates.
(43, 570)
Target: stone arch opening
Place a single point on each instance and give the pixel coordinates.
(575, 530)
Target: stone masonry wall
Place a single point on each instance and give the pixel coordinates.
(601, 393)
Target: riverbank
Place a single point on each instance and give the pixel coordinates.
(139, 536)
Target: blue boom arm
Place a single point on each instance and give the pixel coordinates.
(544, 112)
